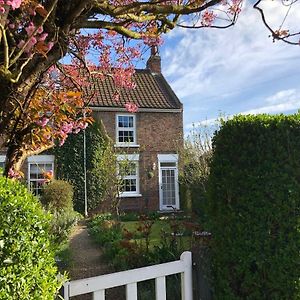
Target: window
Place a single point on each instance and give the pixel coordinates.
(2, 161)
(37, 167)
(125, 130)
(128, 171)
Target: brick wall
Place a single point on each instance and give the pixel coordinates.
(157, 133)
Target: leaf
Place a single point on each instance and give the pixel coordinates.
(41, 11)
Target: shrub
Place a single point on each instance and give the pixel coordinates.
(100, 165)
(58, 195)
(27, 265)
(62, 222)
(254, 204)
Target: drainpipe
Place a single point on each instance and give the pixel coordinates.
(84, 171)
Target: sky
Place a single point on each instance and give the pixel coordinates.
(237, 70)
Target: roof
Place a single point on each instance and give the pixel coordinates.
(152, 91)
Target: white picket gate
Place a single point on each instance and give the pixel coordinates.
(97, 285)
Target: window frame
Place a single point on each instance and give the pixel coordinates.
(132, 158)
(2, 159)
(36, 160)
(133, 129)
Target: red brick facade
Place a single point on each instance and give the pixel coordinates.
(157, 133)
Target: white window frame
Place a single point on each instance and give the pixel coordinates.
(168, 158)
(2, 158)
(135, 159)
(36, 160)
(126, 144)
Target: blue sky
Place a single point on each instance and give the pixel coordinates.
(237, 70)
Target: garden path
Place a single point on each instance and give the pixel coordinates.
(87, 261)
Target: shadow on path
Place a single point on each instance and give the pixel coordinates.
(87, 261)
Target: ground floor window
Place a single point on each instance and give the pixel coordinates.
(2, 161)
(39, 167)
(128, 172)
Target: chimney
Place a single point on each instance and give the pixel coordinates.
(154, 61)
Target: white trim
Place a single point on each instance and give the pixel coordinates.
(135, 159)
(35, 159)
(165, 158)
(150, 110)
(126, 144)
(2, 158)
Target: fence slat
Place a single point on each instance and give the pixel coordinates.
(160, 288)
(186, 276)
(99, 295)
(131, 291)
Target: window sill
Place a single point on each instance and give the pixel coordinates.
(126, 146)
(130, 195)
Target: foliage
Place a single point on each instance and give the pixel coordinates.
(136, 244)
(57, 195)
(62, 222)
(100, 165)
(35, 35)
(254, 202)
(27, 265)
(195, 156)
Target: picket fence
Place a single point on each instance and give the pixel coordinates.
(97, 285)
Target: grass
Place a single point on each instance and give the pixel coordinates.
(156, 232)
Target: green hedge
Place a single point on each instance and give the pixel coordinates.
(27, 265)
(254, 205)
(69, 162)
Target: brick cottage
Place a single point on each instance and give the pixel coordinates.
(149, 139)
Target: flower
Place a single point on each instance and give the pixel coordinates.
(131, 107)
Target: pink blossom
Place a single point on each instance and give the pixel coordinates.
(2, 10)
(43, 36)
(21, 44)
(14, 3)
(13, 174)
(208, 18)
(43, 122)
(50, 45)
(30, 28)
(131, 107)
(40, 30)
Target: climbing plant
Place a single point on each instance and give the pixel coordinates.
(100, 165)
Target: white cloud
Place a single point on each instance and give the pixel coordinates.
(282, 102)
(232, 70)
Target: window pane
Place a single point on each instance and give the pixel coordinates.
(168, 164)
(36, 176)
(125, 121)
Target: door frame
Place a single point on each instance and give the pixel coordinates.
(168, 158)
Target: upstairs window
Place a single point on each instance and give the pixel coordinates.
(126, 130)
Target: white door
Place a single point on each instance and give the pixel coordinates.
(169, 192)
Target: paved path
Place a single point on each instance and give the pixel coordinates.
(87, 261)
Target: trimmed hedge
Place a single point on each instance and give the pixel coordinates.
(27, 265)
(254, 206)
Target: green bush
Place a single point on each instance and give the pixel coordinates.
(62, 222)
(58, 195)
(100, 164)
(27, 265)
(254, 205)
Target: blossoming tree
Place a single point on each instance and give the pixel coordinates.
(40, 99)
